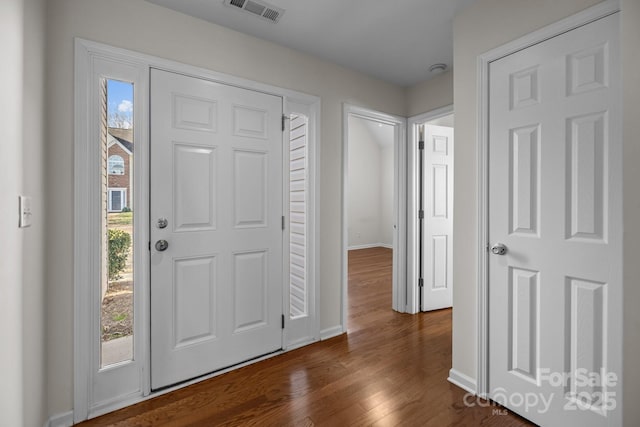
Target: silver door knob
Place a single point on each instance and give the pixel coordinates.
(162, 245)
(499, 249)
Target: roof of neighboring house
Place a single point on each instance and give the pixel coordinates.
(123, 137)
(128, 145)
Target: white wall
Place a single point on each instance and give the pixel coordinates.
(370, 185)
(11, 45)
(509, 20)
(386, 195)
(144, 27)
(363, 186)
(431, 94)
(33, 172)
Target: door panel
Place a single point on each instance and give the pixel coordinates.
(216, 178)
(437, 264)
(555, 296)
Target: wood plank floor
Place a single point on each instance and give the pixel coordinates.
(390, 369)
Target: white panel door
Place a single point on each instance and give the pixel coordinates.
(216, 183)
(555, 296)
(437, 252)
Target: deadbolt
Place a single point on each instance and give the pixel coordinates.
(162, 222)
(162, 245)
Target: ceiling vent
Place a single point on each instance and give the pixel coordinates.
(258, 8)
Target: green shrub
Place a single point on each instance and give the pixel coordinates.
(119, 243)
(126, 209)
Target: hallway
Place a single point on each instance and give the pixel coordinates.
(390, 369)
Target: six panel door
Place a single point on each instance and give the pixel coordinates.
(216, 200)
(555, 296)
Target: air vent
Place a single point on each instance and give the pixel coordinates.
(258, 8)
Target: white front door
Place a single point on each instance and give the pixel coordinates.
(216, 200)
(555, 295)
(437, 252)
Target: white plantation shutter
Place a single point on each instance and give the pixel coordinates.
(298, 216)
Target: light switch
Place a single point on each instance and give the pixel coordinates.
(24, 206)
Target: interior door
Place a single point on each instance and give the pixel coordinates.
(555, 267)
(437, 188)
(217, 239)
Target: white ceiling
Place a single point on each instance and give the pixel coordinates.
(395, 41)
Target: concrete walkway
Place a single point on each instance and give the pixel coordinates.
(117, 350)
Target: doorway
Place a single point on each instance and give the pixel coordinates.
(551, 172)
(101, 387)
(373, 215)
(430, 216)
(216, 233)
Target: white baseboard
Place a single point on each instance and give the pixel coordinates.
(60, 420)
(300, 343)
(370, 245)
(331, 332)
(463, 381)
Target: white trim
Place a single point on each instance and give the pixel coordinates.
(399, 204)
(584, 17)
(463, 381)
(95, 386)
(60, 420)
(370, 245)
(311, 110)
(413, 303)
(331, 332)
(88, 56)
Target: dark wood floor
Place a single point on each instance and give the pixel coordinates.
(390, 369)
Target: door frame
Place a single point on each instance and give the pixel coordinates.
(579, 19)
(413, 298)
(399, 209)
(91, 59)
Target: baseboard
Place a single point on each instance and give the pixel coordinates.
(463, 381)
(300, 343)
(331, 332)
(370, 245)
(60, 420)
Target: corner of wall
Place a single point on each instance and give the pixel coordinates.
(431, 94)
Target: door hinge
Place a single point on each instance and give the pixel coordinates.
(420, 283)
(283, 321)
(149, 246)
(283, 222)
(420, 145)
(420, 214)
(283, 124)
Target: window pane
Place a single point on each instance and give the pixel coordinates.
(117, 293)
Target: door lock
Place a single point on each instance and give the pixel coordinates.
(162, 222)
(499, 249)
(162, 245)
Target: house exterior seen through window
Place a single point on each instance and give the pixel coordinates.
(116, 165)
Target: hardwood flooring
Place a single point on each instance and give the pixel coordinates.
(390, 369)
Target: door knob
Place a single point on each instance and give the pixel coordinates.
(162, 245)
(499, 249)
